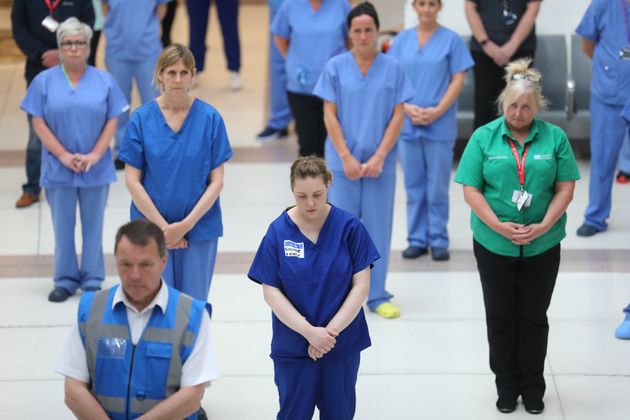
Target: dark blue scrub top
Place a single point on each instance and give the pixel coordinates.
(316, 278)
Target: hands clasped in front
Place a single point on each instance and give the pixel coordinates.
(321, 340)
(78, 162)
(355, 170)
(520, 234)
(174, 235)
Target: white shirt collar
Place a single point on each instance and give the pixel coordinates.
(161, 299)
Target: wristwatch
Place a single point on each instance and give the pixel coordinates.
(483, 42)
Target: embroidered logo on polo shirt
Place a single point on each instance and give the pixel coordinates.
(545, 156)
(497, 157)
(293, 249)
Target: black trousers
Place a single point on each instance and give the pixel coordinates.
(167, 23)
(308, 114)
(488, 85)
(516, 293)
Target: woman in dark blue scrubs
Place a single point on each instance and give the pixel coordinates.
(314, 264)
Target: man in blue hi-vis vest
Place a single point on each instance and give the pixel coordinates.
(140, 347)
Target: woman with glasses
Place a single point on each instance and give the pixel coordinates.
(518, 174)
(307, 33)
(75, 108)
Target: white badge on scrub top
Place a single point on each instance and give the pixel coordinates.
(50, 23)
(293, 249)
(521, 198)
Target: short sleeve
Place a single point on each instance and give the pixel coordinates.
(470, 169)
(116, 102)
(201, 366)
(265, 267)
(363, 252)
(72, 361)
(567, 169)
(327, 86)
(460, 59)
(221, 150)
(589, 26)
(35, 98)
(281, 25)
(132, 147)
(404, 89)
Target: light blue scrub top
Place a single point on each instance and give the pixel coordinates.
(76, 116)
(604, 23)
(430, 70)
(132, 30)
(365, 104)
(316, 278)
(314, 37)
(274, 5)
(625, 114)
(176, 166)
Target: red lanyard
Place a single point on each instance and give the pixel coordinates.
(520, 164)
(52, 6)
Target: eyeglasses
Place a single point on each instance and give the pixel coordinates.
(69, 44)
(524, 76)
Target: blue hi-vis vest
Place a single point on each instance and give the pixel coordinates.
(130, 380)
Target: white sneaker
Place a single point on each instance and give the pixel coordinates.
(235, 81)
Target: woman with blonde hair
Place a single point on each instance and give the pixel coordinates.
(518, 174)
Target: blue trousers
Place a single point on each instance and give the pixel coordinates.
(190, 270)
(198, 13)
(63, 208)
(279, 111)
(33, 160)
(328, 383)
(372, 201)
(427, 168)
(124, 72)
(608, 130)
(624, 155)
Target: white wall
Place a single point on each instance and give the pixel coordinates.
(555, 17)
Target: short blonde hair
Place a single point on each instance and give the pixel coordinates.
(519, 79)
(171, 55)
(310, 167)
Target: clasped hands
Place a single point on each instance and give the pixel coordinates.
(78, 162)
(421, 116)
(520, 234)
(355, 170)
(321, 340)
(174, 235)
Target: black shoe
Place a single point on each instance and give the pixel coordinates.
(271, 134)
(119, 164)
(507, 403)
(414, 252)
(440, 254)
(59, 294)
(92, 289)
(201, 414)
(587, 230)
(534, 405)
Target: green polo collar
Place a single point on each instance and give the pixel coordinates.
(505, 132)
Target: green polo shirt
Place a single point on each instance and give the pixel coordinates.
(488, 164)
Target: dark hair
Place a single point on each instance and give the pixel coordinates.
(140, 232)
(365, 8)
(310, 167)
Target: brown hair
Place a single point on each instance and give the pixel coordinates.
(139, 232)
(171, 55)
(310, 167)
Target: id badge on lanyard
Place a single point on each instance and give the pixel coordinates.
(520, 197)
(509, 17)
(49, 22)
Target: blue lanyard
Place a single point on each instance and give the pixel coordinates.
(625, 18)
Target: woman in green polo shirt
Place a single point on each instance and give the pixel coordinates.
(518, 174)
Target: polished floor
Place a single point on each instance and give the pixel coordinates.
(432, 363)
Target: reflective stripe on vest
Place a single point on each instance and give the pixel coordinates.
(117, 337)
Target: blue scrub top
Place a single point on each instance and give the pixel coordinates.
(365, 104)
(625, 114)
(76, 116)
(274, 5)
(313, 37)
(132, 30)
(430, 70)
(604, 23)
(316, 278)
(176, 166)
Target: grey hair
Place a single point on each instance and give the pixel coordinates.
(527, 80)
(72, 26)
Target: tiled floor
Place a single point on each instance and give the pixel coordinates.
(432, 363)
